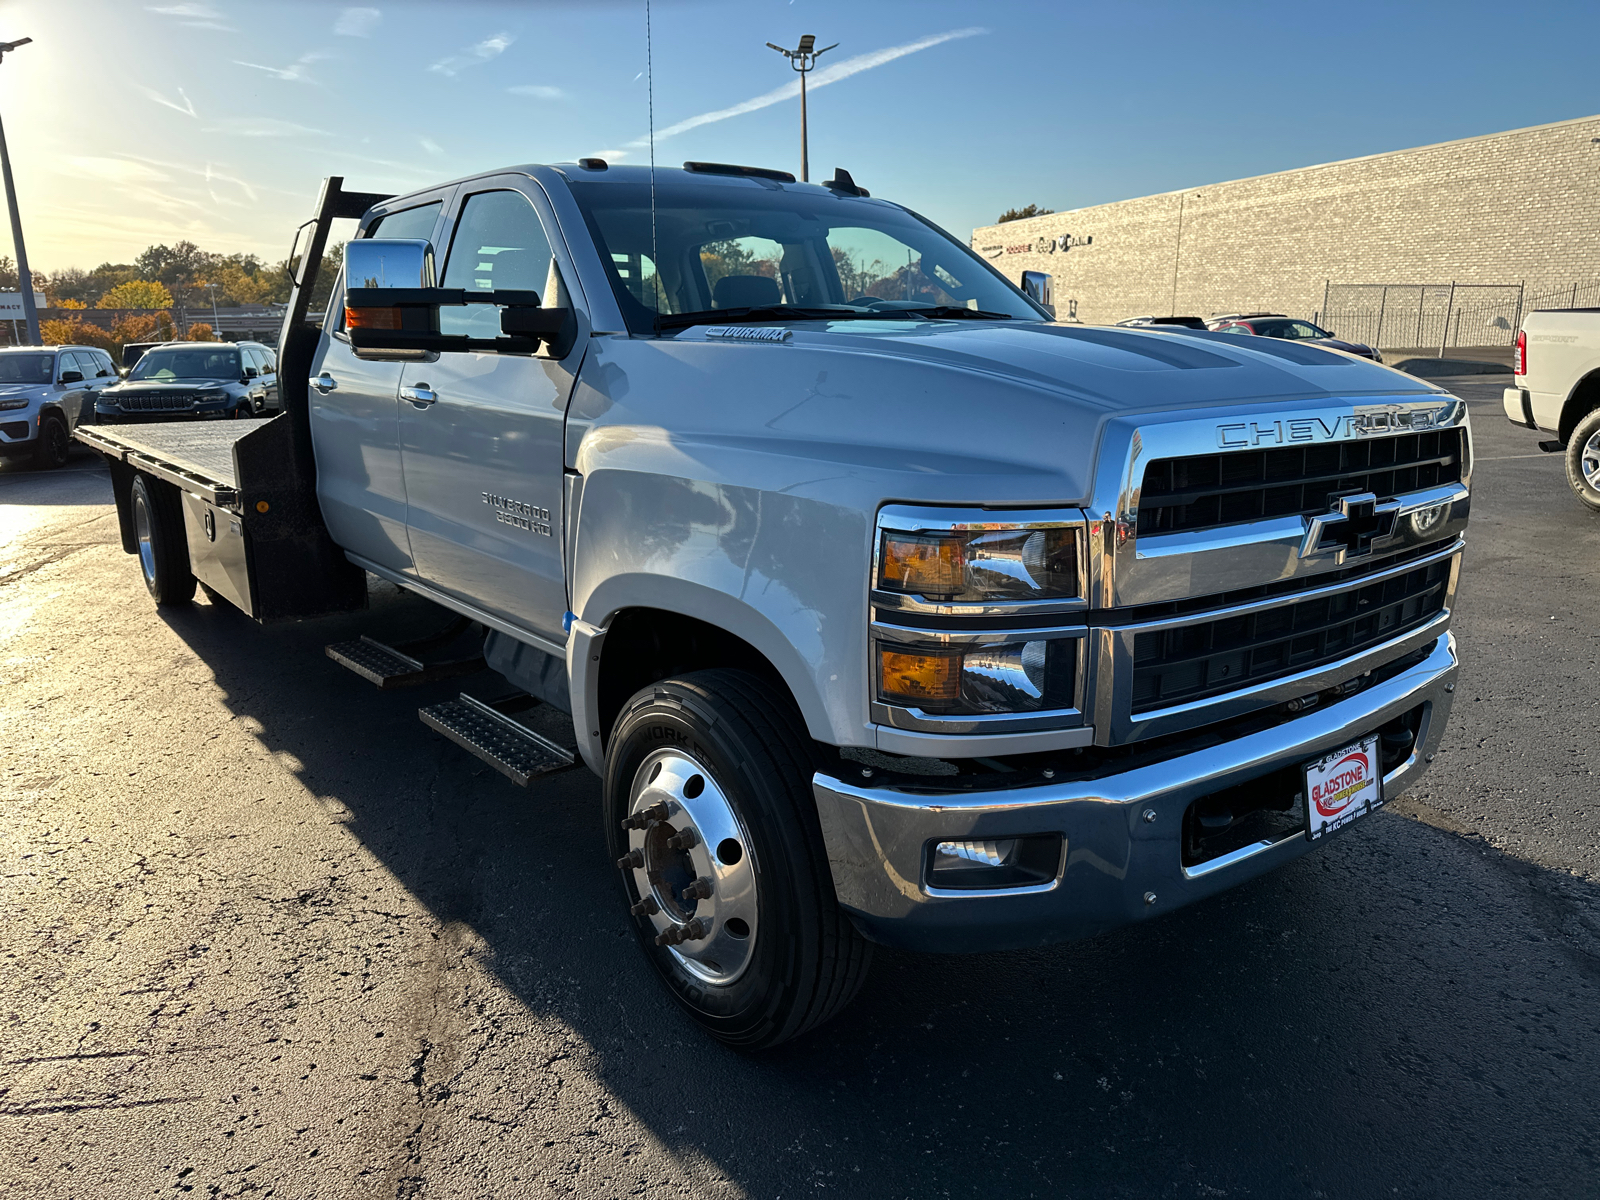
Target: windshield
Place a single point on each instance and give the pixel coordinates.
(188, 364)
(721, 246)
(26, 368)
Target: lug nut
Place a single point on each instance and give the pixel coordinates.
(687, 840)
(1149, 815)
(646, 907)
(642, 818)
(632, 860)
(700, 889)
(696, 929)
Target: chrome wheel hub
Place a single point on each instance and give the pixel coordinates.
(1589, 460)
(690, 859)
(147, 551)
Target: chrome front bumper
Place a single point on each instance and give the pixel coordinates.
(1121, 863)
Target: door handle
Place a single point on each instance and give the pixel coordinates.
(422, 395)
(324, 383)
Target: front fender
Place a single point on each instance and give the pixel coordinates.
(785, 573)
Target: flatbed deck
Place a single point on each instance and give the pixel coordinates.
(197, 456)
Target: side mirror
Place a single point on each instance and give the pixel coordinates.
(251, 372)
(388, 263)
(71, 377)
(1036, 286)
(391, 308)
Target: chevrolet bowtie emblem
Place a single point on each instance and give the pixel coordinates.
(1349, 527)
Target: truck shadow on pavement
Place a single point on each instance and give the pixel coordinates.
(1406, 1009)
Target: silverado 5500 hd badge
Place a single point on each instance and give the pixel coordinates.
(519, 514)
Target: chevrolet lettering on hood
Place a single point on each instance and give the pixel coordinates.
(1364, 423)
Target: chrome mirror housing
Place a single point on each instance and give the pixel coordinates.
(388, 263)
(1036, 285)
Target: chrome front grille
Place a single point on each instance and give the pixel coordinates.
(1208, 491)
(1211, 658)
(155, 401)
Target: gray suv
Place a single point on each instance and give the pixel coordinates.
(45, 391)
(181, 380)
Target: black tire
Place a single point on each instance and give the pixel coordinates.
(806, 960)
(163, 548)
(53, 445)
(1583, 461)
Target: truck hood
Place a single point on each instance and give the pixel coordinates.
(931, 411)
(1110, 369)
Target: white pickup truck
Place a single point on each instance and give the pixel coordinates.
(1557, 389)
(887, 609)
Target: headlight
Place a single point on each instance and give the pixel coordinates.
(1006, 678)
(11, 402)
(975, 565)
(212, 397)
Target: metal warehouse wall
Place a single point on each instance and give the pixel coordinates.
(1522, 206)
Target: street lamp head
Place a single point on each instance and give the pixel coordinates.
(807, 41)
(8, 46)
(780, 50)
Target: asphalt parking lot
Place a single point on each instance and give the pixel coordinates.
(265, 934)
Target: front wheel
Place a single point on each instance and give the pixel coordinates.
(1583, 460)
(709, 807)
(163, 546)
(54, 444)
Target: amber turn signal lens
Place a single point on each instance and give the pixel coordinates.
(929, 566)
(372, 318)
(919, 679)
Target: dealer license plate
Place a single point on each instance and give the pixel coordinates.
(1342, 786)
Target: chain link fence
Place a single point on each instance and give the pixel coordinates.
(1425, 315)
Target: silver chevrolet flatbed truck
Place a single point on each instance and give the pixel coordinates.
(887, 609)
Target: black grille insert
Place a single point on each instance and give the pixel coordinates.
(1173, 666)
(155, 401)
(16, 430)
(1209, 490)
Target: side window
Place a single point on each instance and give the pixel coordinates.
(408, 223)
(81, 363)
(498, 245)
(107, 367)
(251, 359)
(270, 361)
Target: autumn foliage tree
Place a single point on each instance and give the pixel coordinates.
(137, 293)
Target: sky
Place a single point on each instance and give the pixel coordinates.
(214, 120)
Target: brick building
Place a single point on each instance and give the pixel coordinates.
(1519, 209)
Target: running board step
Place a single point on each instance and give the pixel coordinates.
(508, 746)
(395, 667)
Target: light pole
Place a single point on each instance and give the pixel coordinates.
(24, 276)
(803, 60)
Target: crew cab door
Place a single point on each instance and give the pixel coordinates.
(355, 427)
(481, 434)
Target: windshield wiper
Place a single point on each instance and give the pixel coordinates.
(947, 312)
(766, 312)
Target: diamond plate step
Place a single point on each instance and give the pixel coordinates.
(390, 667)
(513, 749)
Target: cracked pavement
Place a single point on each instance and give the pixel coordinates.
(267, 935)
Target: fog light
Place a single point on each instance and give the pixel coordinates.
(983, 864)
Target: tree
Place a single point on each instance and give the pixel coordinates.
(75, 331)
(137, 293)
(66, 302)
(147, 327)
(1022, 214)
(201, 332)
